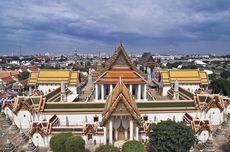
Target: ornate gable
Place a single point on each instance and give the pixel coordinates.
(120, 61)
(120, 103)
(120, 65)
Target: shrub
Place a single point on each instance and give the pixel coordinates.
(133, 146)
(107, 148)
(57, 142)
(75, 144)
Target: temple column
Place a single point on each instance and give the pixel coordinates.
(145, 92)
(110, 132)
(102, 92)
(131, 129)
(30, 90)
(139, 92)
(137, 133)
(126, 134)
(131, 89)
(111, 88)
(96, 92)
(105, 138)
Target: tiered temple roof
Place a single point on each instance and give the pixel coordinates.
(168, 77)
(120, 66)
(53, 77)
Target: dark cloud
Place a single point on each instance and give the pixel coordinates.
(62, 26)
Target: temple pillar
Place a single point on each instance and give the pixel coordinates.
(105, 138)
(126, 134)
(30, 90)
(96, 92)
(131, 89)
(131, 129)
(145, 92)
(137, 133)
(111, 88)
(110, 132)
(139, 92)
(102, 92)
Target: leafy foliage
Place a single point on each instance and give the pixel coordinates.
(133, 146)
(107, 148)
(23, 75)
(57, 142)
(75, 144)
(170, 136)
(225, 74)
(220, 86)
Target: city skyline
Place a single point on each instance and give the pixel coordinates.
(178, 27)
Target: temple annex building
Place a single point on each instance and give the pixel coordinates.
(120, 106)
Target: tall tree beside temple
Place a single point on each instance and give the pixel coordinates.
(170, 136)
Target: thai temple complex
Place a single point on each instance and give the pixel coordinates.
(121, 105)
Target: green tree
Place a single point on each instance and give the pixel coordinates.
(220, 86)
(107, 148)
(75, 144)
(57, 142)
(225, 74)
(23, 75)
(133, 146)
(170, 136)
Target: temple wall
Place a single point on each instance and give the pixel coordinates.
(168, 115)
(46, 87)
(74, 119)
(23, 119)
(203, 136)
(165, 90)
(215, 116)
(8, 112)
(40, 141)
(191, 87)
(228, 109)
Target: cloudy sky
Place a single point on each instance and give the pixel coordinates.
(162, 26)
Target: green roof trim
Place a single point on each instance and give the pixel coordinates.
(73, 105)
(35, 100)
(205, 99)
(165, 104)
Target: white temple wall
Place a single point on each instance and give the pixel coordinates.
(40, 141)
(74, 119)
(228, 109)
(203, 136)
(191, 87)
(8, 112)
(74, 94)
(165, 90)
(143, 138)
(23, 119)
(170, 115)
(215, 116)
(46, 87)
(99, 139)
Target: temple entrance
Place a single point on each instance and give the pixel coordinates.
(121, 132)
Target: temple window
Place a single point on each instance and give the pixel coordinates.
(90, 136)
(95, 118)
(145, 118)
